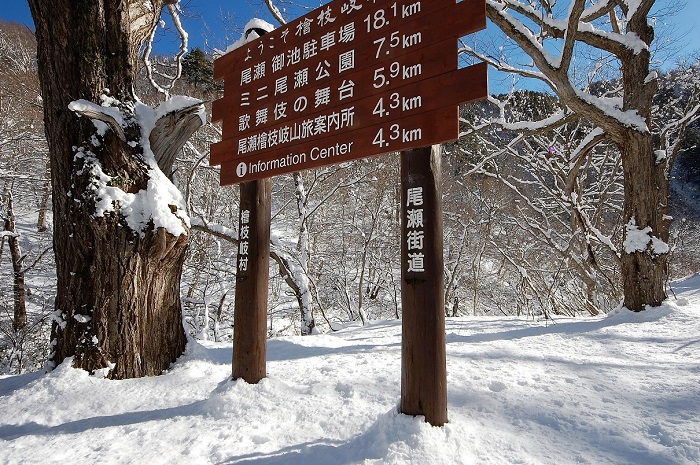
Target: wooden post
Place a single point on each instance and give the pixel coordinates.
(423, 359)
(250, 314)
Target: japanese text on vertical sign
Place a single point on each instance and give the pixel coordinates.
(244, 240)
(415, 230)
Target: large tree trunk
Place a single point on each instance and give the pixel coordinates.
(118, 290)
(645, 206)
(645, 183)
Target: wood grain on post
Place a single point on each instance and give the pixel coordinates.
(423, 363)
(250, 314)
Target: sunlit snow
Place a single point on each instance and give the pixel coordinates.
(621, 389)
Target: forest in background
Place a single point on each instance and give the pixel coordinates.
(523, 236)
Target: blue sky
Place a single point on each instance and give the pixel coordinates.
(216, 23)
(206, 26)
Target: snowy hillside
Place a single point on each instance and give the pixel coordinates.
(621, 389)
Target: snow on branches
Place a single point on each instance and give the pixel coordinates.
(552, 38)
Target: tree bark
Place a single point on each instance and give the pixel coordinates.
(645, 205)
(118, 290)
(19, 320)
(645, 183)
(41, 222)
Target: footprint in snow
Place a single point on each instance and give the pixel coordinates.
(497, 386)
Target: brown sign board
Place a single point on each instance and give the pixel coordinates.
(421, 98)
(271, 85)
(429, 128)
(352, 79)
(425, 63)
(366, 16)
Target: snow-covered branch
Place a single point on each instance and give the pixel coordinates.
(112, 117)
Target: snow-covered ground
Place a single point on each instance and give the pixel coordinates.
(621, 389)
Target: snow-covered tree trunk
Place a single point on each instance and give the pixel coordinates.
(42, 221)
(19, 320)
(646, 202)
(646, 208)
(302, 280)
(119, 243)
(298, 277)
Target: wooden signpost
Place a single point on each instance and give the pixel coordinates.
(423, 358)
(252, 276)
(352, 79)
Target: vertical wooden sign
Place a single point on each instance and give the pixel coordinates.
(423, 356)
(250, 315)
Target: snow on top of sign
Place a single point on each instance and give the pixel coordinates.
(255, 23)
